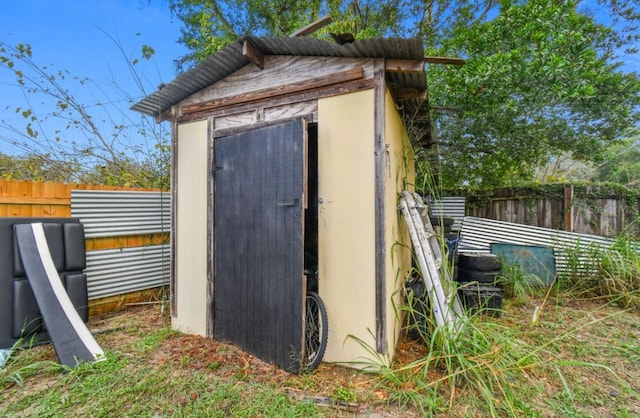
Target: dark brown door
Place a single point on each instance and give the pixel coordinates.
(259, 179)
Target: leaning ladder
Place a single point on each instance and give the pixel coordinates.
(440, 290)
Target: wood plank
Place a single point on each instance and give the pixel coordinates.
(37, 190)
(379, 88)
(341, 77)
(110, 243)
(290, 111)
(119, 302)
(238, 119)
(444, 60)
(404, 66)
(218, 133)
(327, 91)
(568, 208)
(278, 70)
(174, 219)
(254, 55)
(313, 27)
(287, 111)
(34, 200)
(210, 296)
(258, 301)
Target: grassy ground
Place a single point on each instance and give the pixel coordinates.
(579, 359)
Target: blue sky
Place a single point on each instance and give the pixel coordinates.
(74, 35)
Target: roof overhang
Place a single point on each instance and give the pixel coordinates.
(405, 70)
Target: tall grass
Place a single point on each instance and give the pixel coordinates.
(611, 273)
(517, 285)
(491, 367)
(484, 358)
(487, 361)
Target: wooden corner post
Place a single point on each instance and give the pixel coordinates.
(379, 88)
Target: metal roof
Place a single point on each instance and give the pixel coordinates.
(231, 59)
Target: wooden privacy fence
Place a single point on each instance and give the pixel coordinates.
(127, 232)
(589, 212)
(22, 198)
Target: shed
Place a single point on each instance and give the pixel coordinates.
(284, 147)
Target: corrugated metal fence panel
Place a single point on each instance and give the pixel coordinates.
(448, 206)
(119, 271)
(107, 213)
(478, 233)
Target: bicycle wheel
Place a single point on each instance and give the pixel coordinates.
(316, 331)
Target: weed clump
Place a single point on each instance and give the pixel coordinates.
(611, 273)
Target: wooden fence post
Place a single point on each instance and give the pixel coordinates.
(568, 208)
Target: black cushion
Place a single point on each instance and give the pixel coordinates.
(55, 241)
(76, 286)
(26, 316)
(74, 247)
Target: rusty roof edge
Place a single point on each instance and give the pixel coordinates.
(230, 59)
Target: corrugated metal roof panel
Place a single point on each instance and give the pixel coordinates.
(230, 59)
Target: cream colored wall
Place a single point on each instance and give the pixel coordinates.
(346, 225)
(191, 229)
(399, 175)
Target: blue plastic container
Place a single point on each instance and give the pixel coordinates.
(533, 260)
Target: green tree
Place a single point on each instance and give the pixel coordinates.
(209, 25)
(35, 167)
(622, 163)
(542, 78)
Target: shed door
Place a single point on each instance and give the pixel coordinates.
(258, 241)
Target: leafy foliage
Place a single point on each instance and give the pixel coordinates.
(543, 79)
(209, 25)
(540, 80)
(35, 167)
(622, 163)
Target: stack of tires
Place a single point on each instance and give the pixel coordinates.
(478, 287)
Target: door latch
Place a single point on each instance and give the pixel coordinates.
(291, 202)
